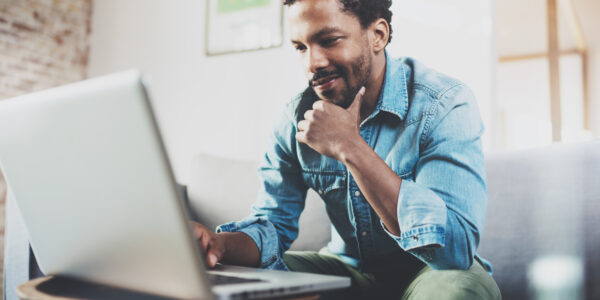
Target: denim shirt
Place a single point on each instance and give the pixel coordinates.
(427, 128)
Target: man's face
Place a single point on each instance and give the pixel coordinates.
(334, 48)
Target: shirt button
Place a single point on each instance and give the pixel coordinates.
(357, 193)
(320, 192)
(364, 233)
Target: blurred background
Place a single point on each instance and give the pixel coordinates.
(534, 66)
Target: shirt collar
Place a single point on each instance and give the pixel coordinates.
(394, 95)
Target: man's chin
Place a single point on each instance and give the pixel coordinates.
(331, 97)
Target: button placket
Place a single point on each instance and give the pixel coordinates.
(361, 209)
(363, 221)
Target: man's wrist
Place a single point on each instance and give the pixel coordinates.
(351, 151)
(239, 249)
(228, 240)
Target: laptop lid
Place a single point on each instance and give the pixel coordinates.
(91, 177)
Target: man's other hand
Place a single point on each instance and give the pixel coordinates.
(235, 248)
(213, 244)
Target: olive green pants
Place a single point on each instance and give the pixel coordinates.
(474, 283)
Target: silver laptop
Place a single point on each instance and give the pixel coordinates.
(91, 177)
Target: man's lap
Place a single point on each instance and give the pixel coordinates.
(328, 264)
(474, 283)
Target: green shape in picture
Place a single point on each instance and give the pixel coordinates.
(227, 6)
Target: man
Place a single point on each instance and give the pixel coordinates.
(394, 150)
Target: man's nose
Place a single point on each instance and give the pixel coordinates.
(317, 60)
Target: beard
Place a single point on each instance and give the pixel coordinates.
(362, 71)
(360, 68)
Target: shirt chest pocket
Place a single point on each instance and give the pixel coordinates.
(328, 184)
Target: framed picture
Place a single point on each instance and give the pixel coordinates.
(243, 25)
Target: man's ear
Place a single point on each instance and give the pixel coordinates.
(381, 33)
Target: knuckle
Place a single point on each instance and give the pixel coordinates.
(308, 136)
(318, 105)
(211, 243)
(308, 113)
(216, 246)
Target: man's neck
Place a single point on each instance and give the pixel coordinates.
(374, 87)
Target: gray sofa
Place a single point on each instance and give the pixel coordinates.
(541, 201)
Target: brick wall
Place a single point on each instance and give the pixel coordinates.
(43, 43)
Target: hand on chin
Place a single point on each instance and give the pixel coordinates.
(329, 129)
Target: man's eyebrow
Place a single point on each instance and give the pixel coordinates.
(324, 31)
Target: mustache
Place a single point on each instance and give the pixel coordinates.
(323, 74)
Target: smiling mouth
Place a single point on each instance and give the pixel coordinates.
(326, 82)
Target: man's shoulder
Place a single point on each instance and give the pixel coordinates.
(428, 81)
(299, 104)
(431, 94)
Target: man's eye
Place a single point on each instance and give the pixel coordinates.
(330, 41)
(300, 48)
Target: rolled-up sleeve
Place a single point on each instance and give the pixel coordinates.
(441, 213)
(262, 231)
(273, 223)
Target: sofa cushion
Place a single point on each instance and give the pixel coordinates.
(541, 202)
(223, 189)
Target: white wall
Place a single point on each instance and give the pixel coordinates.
(226, 105)
(454, 37)
(222, 105)
(523, 89)
(594, 91)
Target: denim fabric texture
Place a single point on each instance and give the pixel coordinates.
(427, 128)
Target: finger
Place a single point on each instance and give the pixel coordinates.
(355, 106)
(214, 253)
(309, 115)
(212, 259)
(202, 234)
(301, 137)
(319, 105)
(197, 228)
(303, 125)
(204, 240)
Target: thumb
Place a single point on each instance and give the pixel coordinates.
(213, 259)
(355, 106)
(215, 252)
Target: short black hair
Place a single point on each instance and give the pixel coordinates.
(367, 11)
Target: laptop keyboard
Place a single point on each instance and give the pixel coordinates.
(224, 279)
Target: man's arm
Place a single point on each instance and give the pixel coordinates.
(334, 131)
(377, 181)
(260, 239)
(438, 216)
